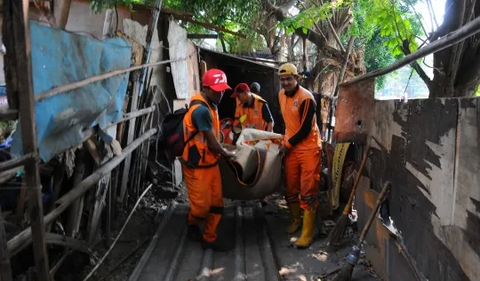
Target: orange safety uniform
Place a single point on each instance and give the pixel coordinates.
(302, 163)
(202, 174)
(254, 114)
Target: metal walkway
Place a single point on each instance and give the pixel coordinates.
(260, 252)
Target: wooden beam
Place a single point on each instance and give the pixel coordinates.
(448, 40)
(5, 268)
(20, 35)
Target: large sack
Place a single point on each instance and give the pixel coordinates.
(257, 170)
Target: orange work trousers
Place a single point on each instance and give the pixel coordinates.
(302, 175)
(204, 188)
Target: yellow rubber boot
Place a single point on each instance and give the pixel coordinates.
(307, 230)
(295, 217)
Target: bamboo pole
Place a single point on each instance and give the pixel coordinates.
(344, 66)
(17, 162)
(19, 58)
(65, 88)
(448, 40)
(23, 239)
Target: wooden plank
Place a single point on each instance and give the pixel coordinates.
(130, 136)
(419, 159)
(5, 268)
(20, 47)
(76, 209)
(462, 235)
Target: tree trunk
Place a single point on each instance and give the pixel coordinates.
(457, 68)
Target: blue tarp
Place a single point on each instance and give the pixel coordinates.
(60, 58)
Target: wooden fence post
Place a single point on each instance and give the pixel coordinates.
(5, 269)
(20, 66)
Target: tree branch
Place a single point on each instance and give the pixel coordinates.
(418, 18)
(416, 66)
(311, 35)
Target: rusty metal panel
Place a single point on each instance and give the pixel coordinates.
(354, 112)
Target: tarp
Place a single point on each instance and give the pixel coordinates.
(60, 58)
(257, 172)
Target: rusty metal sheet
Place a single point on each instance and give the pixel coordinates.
(354, 112)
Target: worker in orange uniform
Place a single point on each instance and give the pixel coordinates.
(302, 146)
(200, 157)
(253, 107)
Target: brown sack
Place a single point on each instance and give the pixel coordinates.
(257, 171)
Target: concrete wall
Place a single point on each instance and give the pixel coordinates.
(429, 150)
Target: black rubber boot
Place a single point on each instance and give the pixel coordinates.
(194, 233)
(217, 246)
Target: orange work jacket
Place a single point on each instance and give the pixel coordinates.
(290, 107)
(196, 153)
(254, 114)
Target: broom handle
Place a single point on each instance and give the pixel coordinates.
(348, 207)
(374, 211)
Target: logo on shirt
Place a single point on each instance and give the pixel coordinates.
(295, 102)
(255, 111)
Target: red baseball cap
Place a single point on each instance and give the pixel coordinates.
(242, 87)
(215, 79)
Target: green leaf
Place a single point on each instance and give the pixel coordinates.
(305, 30)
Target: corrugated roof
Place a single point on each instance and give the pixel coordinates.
(238, 58)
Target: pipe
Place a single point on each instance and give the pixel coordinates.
(24, 238)
(448, 40)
